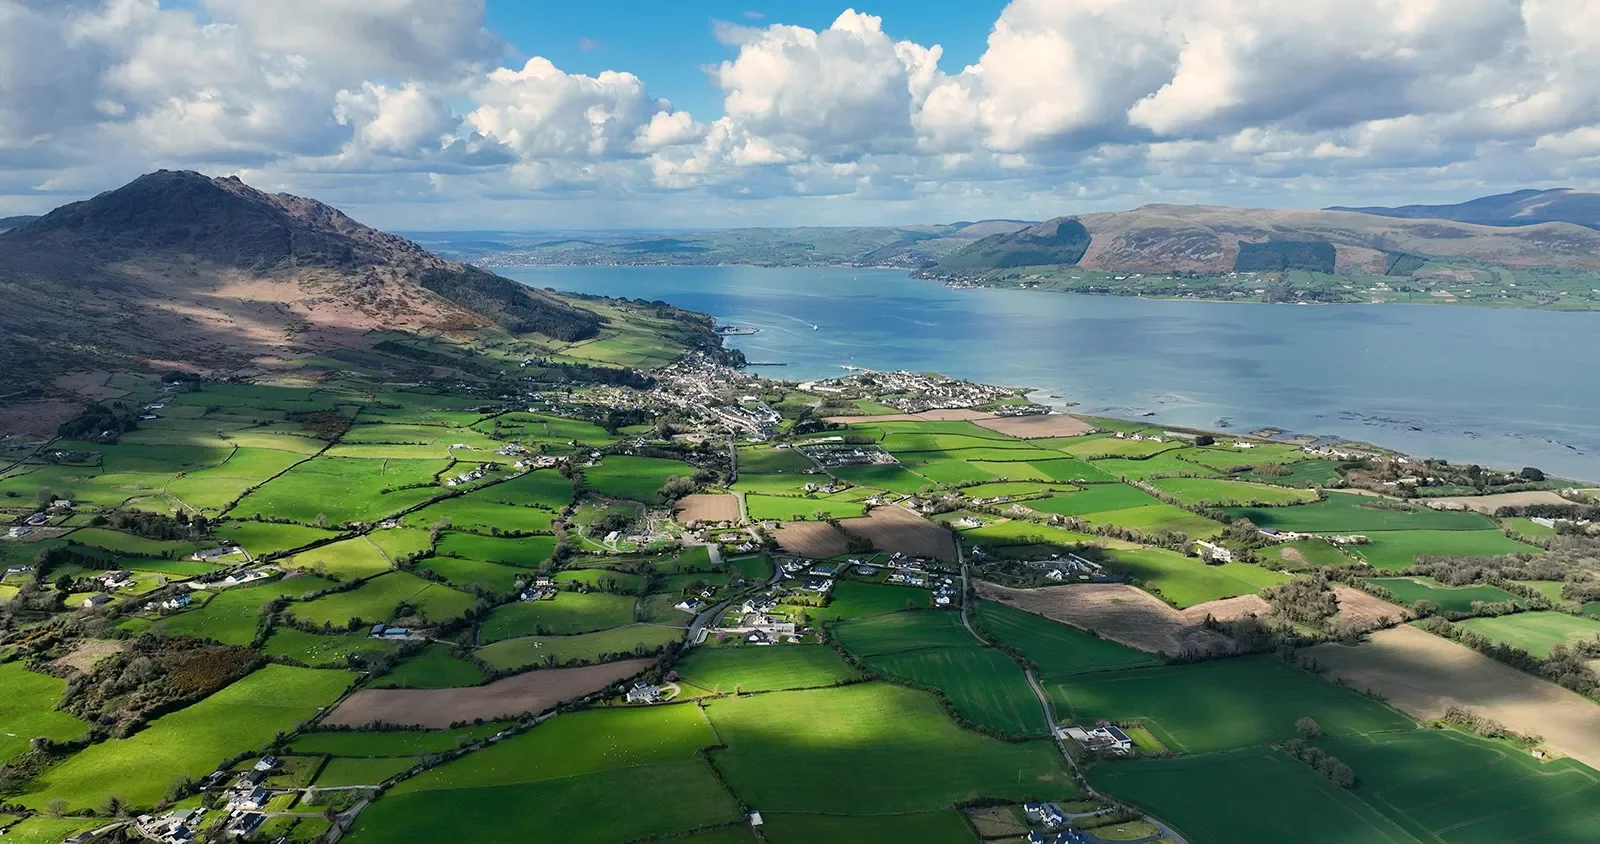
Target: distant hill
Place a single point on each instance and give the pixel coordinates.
(9, 223)
(179, 269)
(1519, 208)
(1211, 240)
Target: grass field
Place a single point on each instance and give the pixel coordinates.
(380, 598)
(901, 631)
(852, 599)
(945, 827)
(28, 710)
(1186, 581)
(1303, 554)
(1465, 790)
(890, 477)
(495, 578)
(479, 515)
(528, 551)
(343, 489)
(1399, 549)
(763, 669)
(192, 741)
(1536, 632)
(1055, 649)
(1220, 705)
(616, 643)
(398, 743)
(317, 651)
(603, 579)
(342, 772)
(1195, 491)
(1409, 590)
(1155, 518)
(570, 612)
(1097, 498)
(984, 685)
(230, 616)
(434, 668)
(634, 478)
(852, 750)
(761, 507)
(348, 559)
(1255, 794)
(1344, 512)
(261, 538)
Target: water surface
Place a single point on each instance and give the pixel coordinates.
(1498, 387)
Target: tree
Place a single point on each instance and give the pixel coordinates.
(1308, 728)
(56, 807)
(322, 520)
(1529, 473)
(1205, 439)
(1341, 775)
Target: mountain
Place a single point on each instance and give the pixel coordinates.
(1519, 208)
(9, 223)
(1211, 240)
(179, 269)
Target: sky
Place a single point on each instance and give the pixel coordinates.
(533, 114)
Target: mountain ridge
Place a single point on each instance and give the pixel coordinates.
(1517, 208)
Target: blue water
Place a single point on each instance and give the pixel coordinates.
(1497, 387)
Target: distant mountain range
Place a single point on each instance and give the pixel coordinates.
(176, 269)
(9, 223)
(1519, 208)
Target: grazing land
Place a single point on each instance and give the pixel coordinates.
(1116, 612)
(1400, 549)
(552, 651)
(437, 709)
(569, 612)
(1536, 632)
(1424, 675)
(390, 743)
(1409, 590)
(28, 710)
(847, 751)
(1055, 649)
(983, 685)
(1187, 581)
(1344, 512)
(852, 599)
(433, 668)
(764, 669)
(945, 827)
(1215, 493)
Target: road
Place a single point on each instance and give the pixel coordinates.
(1044, 704)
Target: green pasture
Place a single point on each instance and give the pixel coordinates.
(1012, 489)
(465, 513)
(43, 829)
(889, 476)
(347, 559)
(1164, 465)
(1399, 549)
(569, 612)
(536, 427)
(1409, 590)
(1215, 493)
(1255, 794)
(1097, 445)
(984, 685)
(944, 827)
(1155, 518)
(395, 743)
(230, 616)
(494, 578)
(527, 551)
(1096, 498)
(1345, 512)
(1304, 474)
(378, 600)
(901, 631)
(605, 580)
(262, 538)
(343, 489)
(396, 543)
(761, 507)
(852, 599)
(1186, 581)
(1303, 554)
(1219, 705)
(1066, 469)
(772, 461)
(634, 478)
(28, 710)
(543, 487)
(763, 669)
(1017, 532)
(1055, 649)
(317, 650)
(1536, 632)
(775, 485)
(433, 668)
(344, 772)
(125, 543)
(850, 750)
(191, 741)
(604, 645)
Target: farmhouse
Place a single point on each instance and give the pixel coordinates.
(99, 599)
(243, 824)
(690, 605)
(1048, 814)
(37, 519)
(1106, 739)
(17, 533)
(1212, 551)
(643, 692)
(117, 579)
(216, 553)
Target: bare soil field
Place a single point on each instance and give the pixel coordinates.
(89, 652)
(35, 419)
(1117, 612)
(955, 415)
(1227, 609)
(810, 539)
(1487, 504)
(708, 508)
(897, 529)
(1360, 611)
(1031, 427)
(437, 709)
(1422, 675)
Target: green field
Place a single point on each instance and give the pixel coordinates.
(891, 477)
(494, 578)
(230, 616)
(1097, 498)
(1536, 632)
(1409, 590)
(984, 685)
(1256, 794)
(852, 599)
(434, 668)
(527, 551)
(398, 743)
(317, 651)
(1186, 581)
(763, 668)
(342, 772)
(901, 631)
(28, 710)
(348, 559)
(1465, 790)
(569, 612)
(129, 544)
(261, 538)
(1197, 491)
(852, 750)
(1155, 518)
(1303, 554)
(603, 579)
(616, 643)
(945, 827)
(1219, 705)
(482, 516)
(762, 507)
(1002, 534)
(343, 489)
(634, 478)
(192, 741)
(1055, 649)
(1160, 466)
(381, 598)
(1345, 512)
(1399, 549)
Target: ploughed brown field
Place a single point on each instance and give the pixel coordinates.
(810, 539)
(708, 508)
(1360, 611)
(1423, 675)
(1032, 427)
(1124, 614)
(1488, 504)
(898, 529)
(437, 709)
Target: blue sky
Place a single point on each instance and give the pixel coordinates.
(483, 114)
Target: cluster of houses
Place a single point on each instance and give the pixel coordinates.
(467, 477)
(238, 578)
(171, 828)
(1106, 738)
(176, 602)
(114, 580)
(1065, 836)
(1064, 567)
(150, 410)
(1138, 437)
(1211, 552)
(210, 555)
(843, 454)
(541, 589)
